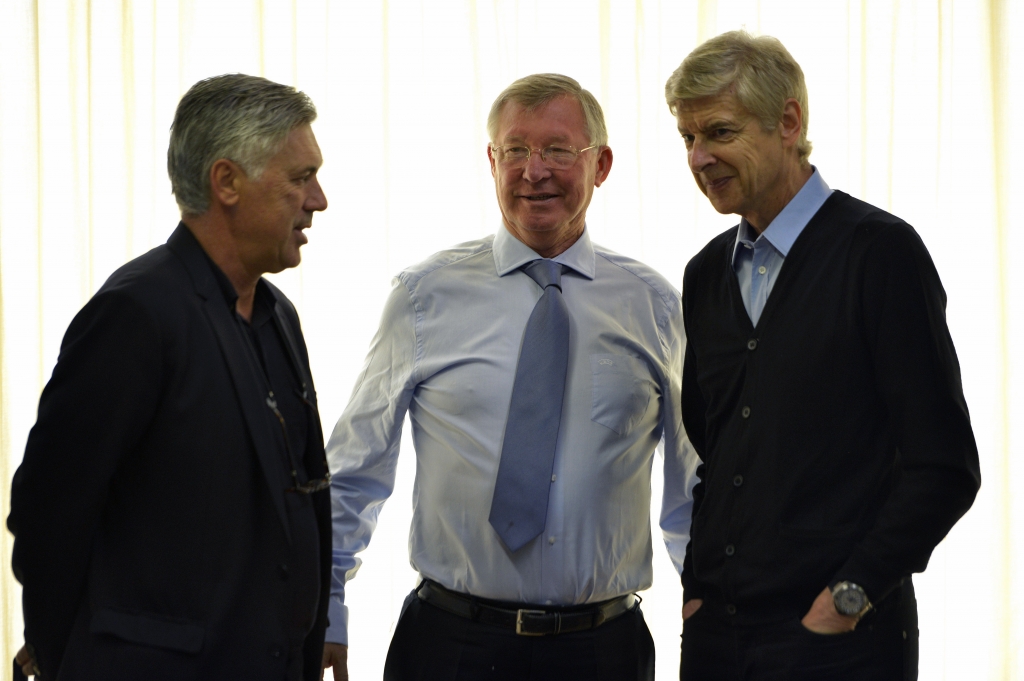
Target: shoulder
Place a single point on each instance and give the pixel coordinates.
(873, 230)
(467, 254)
(715, 254)
(860, 215)
(637, 272)
(155, 288)
(155, 274)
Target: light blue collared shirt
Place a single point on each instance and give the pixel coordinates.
(757, 259)
(446, 354)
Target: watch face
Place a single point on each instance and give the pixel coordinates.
(849, 601)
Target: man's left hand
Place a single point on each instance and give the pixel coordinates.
(823, 618)
(27, 660)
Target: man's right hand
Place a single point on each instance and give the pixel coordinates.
(691, 606)
(336, 656)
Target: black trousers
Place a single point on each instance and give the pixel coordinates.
(431, 644)
(883, 647)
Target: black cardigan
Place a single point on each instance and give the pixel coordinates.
(834, 438)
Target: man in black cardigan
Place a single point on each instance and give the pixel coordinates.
(171, 516)
(820, 389)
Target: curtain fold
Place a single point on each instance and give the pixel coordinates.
(913, 107)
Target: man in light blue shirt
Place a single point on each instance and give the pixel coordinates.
(562, 605)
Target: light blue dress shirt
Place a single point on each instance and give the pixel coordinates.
(757, 259)
(446, 354)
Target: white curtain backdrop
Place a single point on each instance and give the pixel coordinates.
(914, 106)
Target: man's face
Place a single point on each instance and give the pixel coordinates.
(274, 209)
(542, 206)
(737, 165)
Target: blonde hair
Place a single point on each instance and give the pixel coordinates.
(540, 88)
(763, 73)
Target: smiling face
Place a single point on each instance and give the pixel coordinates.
(739, 166)
(274, 209)
(544, 207)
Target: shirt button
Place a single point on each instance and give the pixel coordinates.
(746, 412)
(275, 652)
(730, 549)
(282, 570)
(752, 344)
(762, 269)
(553, 478)
(737, 481)
(551, 540)
(731, 609)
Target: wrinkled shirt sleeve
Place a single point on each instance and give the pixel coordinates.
(680, 458)
(363, 449)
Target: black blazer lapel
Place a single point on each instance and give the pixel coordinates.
(264, 438)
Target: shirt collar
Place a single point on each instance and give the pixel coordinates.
(787, 225)
(510, 254)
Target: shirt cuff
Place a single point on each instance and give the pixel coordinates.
(337, 614)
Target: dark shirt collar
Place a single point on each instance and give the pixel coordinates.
(263, 302)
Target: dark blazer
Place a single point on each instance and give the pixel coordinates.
(834, 438)
(151, 531)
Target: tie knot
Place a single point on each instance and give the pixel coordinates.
(545, 273)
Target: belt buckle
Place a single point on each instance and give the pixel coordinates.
(519, 622)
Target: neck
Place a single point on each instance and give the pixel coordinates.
(214, 236)
(789, 186)
(547, 245)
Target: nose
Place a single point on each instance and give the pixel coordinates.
(699, 156)
(315, 198)
(535, 170)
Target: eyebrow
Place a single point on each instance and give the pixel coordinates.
(712, 125)
(306, 170)
(550, 140)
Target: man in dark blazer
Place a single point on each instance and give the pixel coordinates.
(171, 517)
(821, 391)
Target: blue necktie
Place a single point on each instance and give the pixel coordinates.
(520, 505)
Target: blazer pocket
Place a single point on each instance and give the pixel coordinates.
(621, 391)
(148, 631)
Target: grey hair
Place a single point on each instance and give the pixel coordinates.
(540, 88)
(763, 73)
(242, 118)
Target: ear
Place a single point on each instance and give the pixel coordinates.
(225, 182)
(791, 123)
(490, 158)
(604, 165)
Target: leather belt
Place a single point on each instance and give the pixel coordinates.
(532, 620)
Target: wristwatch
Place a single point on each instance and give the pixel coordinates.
(850, 599)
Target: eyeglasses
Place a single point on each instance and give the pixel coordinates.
(517, 155)
(313, 485)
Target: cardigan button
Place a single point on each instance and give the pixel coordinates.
(746, 412)
(752, 344)
(731, 609)
(730, 549)
(737, 481)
